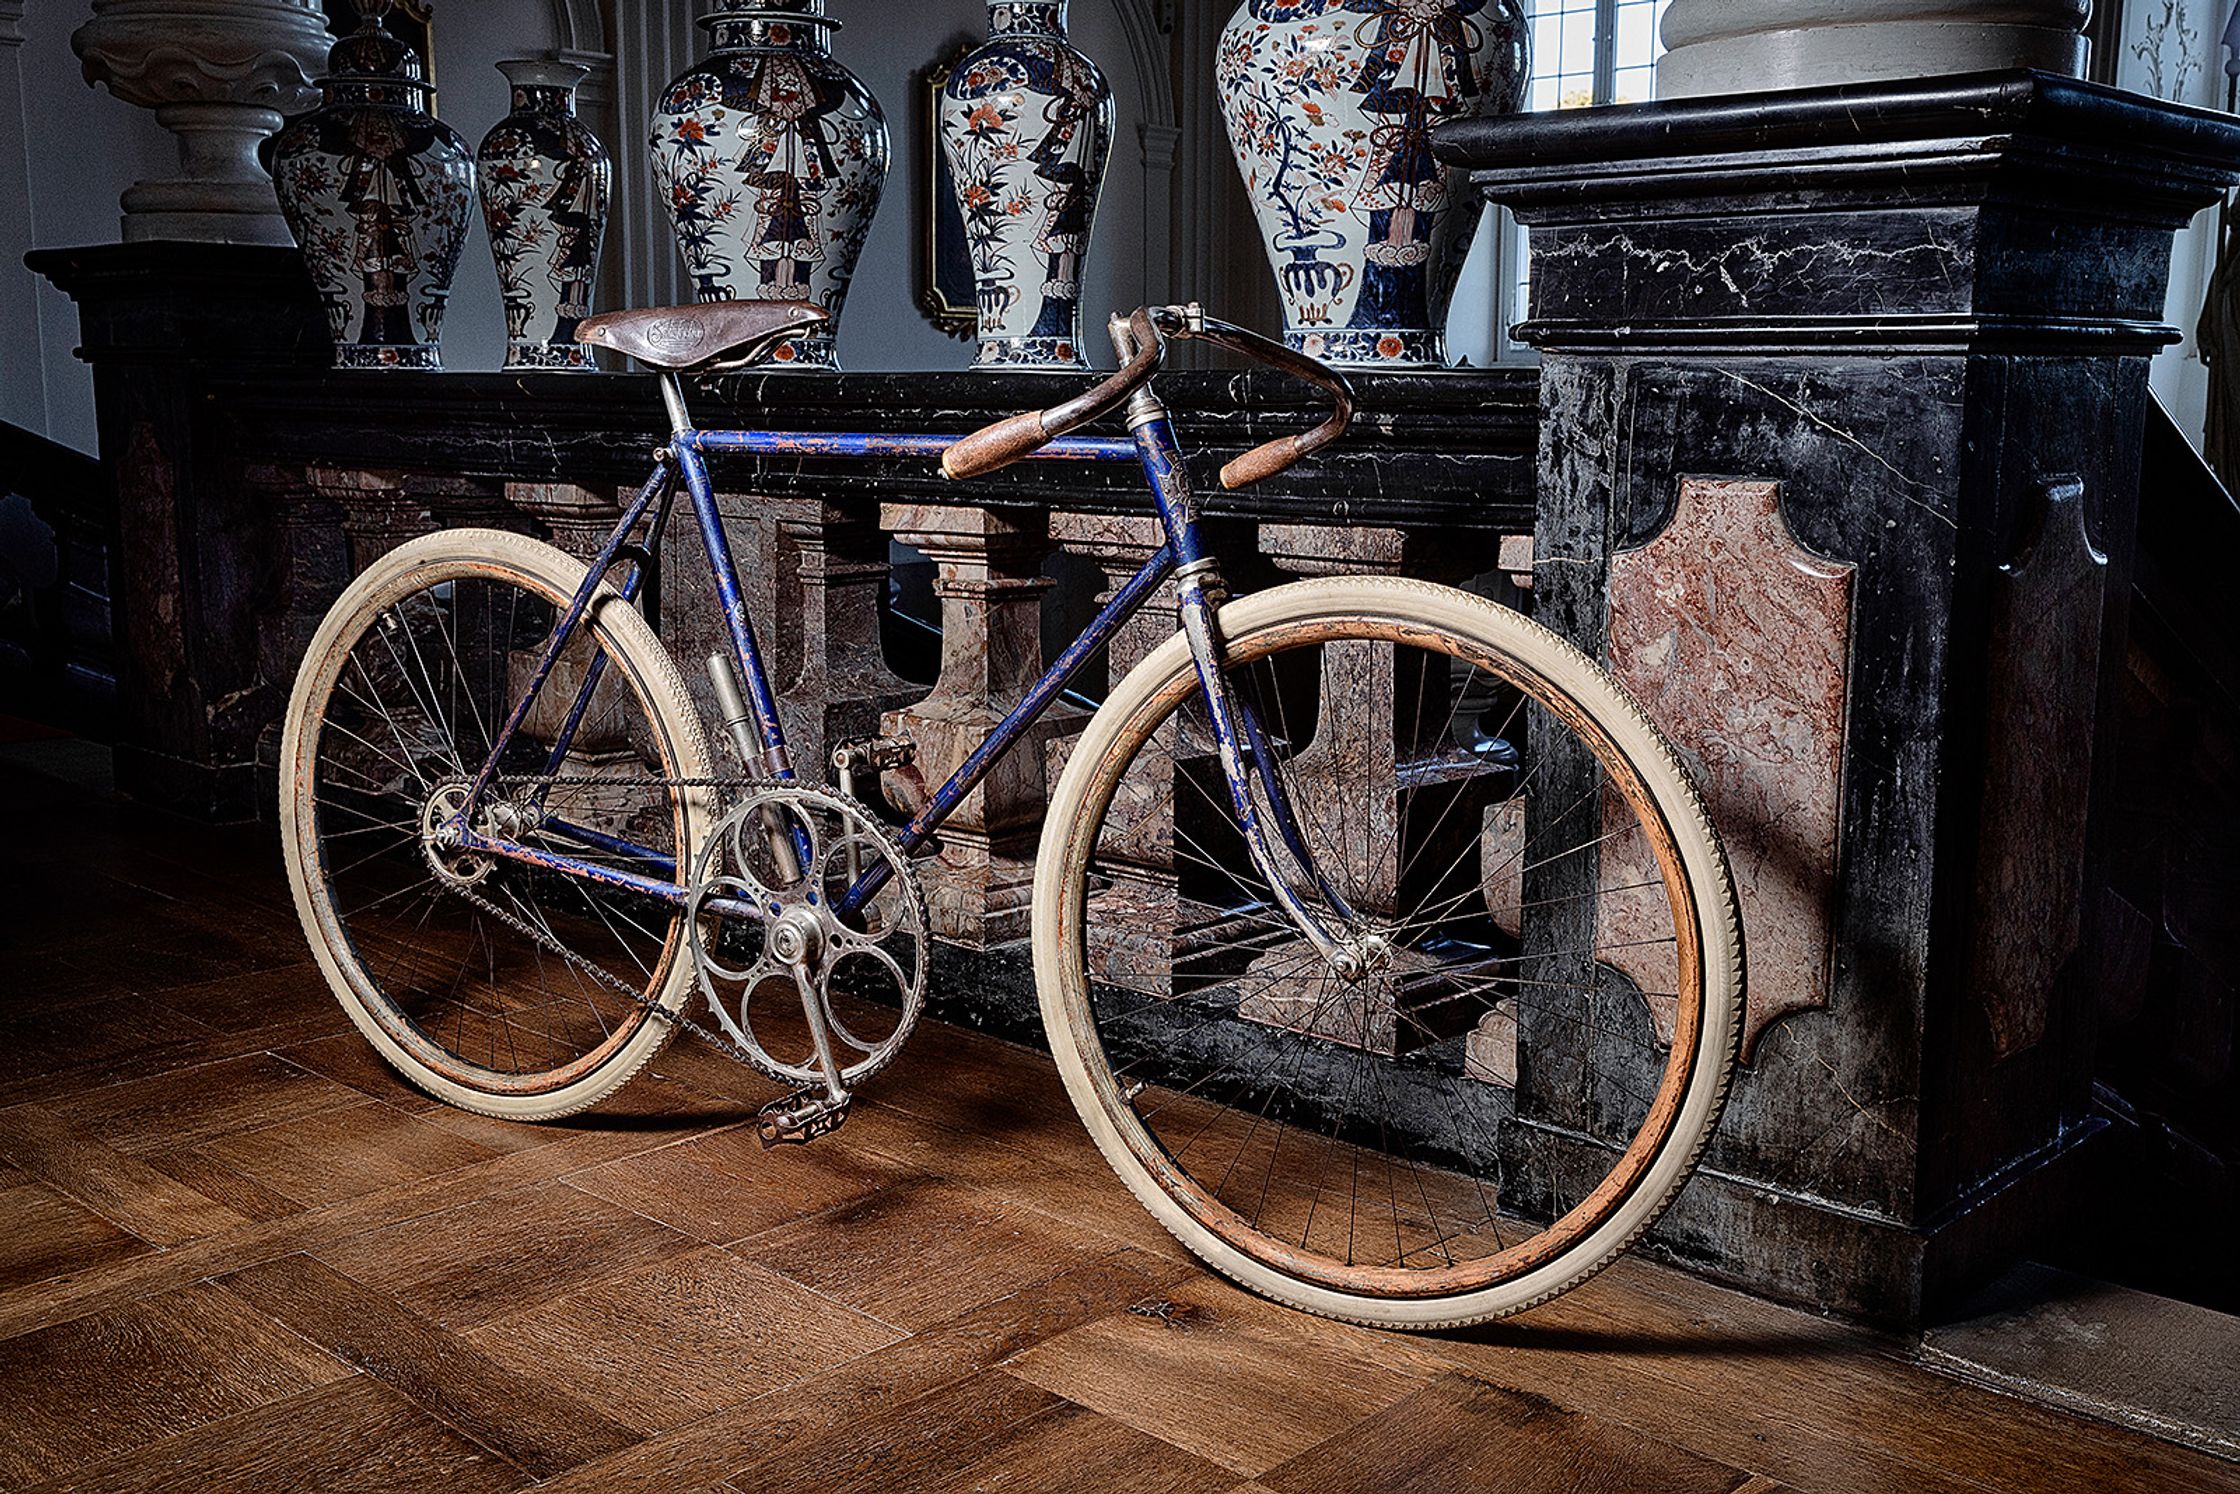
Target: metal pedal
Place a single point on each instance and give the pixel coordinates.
(874, 755)
(800, 1118)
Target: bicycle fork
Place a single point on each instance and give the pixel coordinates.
(1248, 765)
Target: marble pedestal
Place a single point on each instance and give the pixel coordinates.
(195, 544)
(1842, 399)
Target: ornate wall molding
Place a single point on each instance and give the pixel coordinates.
(1157, 137)
(580, 26)
(658, 40)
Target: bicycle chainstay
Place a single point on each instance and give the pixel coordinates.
(720, 1041)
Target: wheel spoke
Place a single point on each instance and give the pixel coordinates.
(516, 1006)
(1503, 1048)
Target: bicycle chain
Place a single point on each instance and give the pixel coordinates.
(720, 1041)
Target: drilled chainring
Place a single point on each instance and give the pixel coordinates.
(776, 871)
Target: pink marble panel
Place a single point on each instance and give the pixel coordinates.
(1736, 640)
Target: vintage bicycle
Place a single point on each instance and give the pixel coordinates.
(1382, 943)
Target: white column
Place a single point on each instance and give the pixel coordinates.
(23, 392)
(1753, 46)
(654, 40)
(221, 75)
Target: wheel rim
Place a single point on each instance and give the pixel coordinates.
(1260, 1130)
(403, 714)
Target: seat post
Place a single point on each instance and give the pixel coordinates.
(672, 395)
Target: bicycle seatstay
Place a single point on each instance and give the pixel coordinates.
(659, 489)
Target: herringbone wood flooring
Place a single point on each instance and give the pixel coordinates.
(236, 1254)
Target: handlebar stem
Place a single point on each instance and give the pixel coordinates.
(1140, 340)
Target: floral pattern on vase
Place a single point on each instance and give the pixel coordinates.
(1026, 121)
(1330, 106)
(377, 193)
(545, 181)
(772, 157)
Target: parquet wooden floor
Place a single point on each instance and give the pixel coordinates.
(236, 1254)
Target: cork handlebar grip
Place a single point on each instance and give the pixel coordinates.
(995, 447)
(1262, 463)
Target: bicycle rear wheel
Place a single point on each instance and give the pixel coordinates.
(1518, 1088)
(499, 987)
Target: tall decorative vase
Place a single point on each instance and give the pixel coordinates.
(1026, 121)
(545, 182)
(1330, 106)
(377, 192)
(771, 157)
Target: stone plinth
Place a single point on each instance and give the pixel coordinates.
(1842, 400)
(1750, 46)
(221, 75)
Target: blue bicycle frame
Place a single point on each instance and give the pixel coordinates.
(1243, 749)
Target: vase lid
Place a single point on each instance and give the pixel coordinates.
(776, 10)
(747, 24)
(373, 51)
(1026, 15)
(543, 72)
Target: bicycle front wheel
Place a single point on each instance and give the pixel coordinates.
(1521, 1080)
(501, 987)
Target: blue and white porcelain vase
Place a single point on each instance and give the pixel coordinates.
(1330, 106)
(771, 157)
(377, 193)
(1026, 121)
(545, 182)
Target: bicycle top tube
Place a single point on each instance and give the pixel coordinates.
(866, 444)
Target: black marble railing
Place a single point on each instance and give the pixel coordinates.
(1445, 450)
(337, 468)
(55, 634)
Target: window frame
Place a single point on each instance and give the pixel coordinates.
(1509, 235)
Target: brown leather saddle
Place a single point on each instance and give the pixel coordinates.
(698, 339)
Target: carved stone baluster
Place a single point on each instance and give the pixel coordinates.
(829, 667)
(1379, 844)
(378, 513)
(314, 566)
(465, 502)
(1490, 1054)
(579, 521)
(812, 573)
(1133, 919)
(990, 584)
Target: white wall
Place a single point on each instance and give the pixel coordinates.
(471, 97)
(2169, 49)
(882, 328)
(67, 151)
(79, 150)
